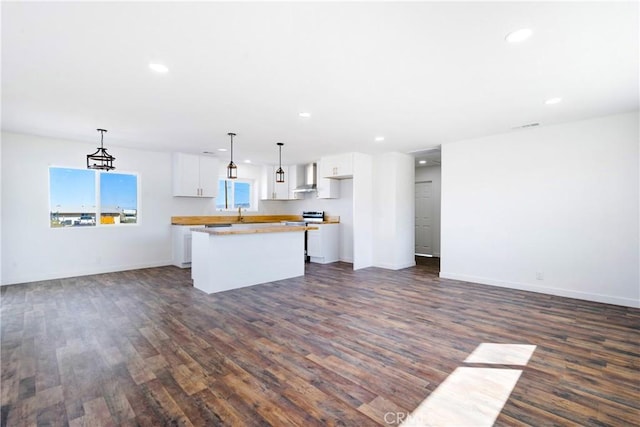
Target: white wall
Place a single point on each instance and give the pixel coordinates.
(363, 211)
(393, 211)
(1, 210)
(342, 207)
(32, 251)
(433, 174)
(561, 201)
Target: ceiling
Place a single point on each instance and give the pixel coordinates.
(417, 73)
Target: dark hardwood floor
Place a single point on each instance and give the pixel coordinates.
(335, 347)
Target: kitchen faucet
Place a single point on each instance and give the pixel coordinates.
(240, 217)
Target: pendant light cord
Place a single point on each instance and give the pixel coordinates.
(102, 131)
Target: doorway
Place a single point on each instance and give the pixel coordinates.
(424, 219)
(428, 183)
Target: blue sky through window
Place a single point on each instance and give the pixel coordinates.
(242, 195)
(72, 188)
(118, 190)
(238, 195)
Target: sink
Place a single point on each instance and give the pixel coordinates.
(216, 225)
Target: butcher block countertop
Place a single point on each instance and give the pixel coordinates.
(246, 219)
(253, 230)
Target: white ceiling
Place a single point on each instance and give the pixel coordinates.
(417, 73)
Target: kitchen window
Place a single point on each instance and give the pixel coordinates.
(234, 194)
(89, 198)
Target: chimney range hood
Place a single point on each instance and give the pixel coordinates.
(309, 180)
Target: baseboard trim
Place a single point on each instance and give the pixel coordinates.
(396, 267)
(80, 273)
(607, 299)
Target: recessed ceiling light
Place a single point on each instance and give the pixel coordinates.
(518, 35)
(247, 161)
(222, 149)
(158, 68)
(379, 138)
(552, 101)
(423, 162)
(304, 115)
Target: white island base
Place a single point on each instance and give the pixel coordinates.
(223, 260)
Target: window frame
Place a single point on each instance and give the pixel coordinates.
(252, 190)
(98, 207)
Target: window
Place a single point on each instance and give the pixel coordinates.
(234, 194)
(82, 197)
(118, 198)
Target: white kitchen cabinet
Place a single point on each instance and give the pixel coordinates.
(323, 244)
(272, 190)
(195, 176)
(337, 167)
(295, 179)
(181, 244)
(326, 188)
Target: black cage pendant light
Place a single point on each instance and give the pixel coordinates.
(280, 172)
(232, 169)
(100, 159)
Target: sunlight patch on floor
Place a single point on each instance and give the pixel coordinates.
(468, 397)
(473, 396)
(502, 354)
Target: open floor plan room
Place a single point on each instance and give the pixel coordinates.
(332, 347)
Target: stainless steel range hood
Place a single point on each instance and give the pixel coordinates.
(309, 180)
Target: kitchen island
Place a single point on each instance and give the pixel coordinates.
(247, 254)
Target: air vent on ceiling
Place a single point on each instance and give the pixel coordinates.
(528, 125)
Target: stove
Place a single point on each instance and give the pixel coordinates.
(308, 217)
(313, 216)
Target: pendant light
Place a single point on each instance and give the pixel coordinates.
(101, 159)
(280, 172)
(232, 169)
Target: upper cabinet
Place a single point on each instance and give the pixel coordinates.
(337, 167)
(326, 188)
(272, 190)
(295, 179)
(195, 176)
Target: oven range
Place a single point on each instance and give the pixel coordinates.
(308, 217)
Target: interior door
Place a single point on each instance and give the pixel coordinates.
(424, 218)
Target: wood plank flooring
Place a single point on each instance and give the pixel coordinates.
(335, 347)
